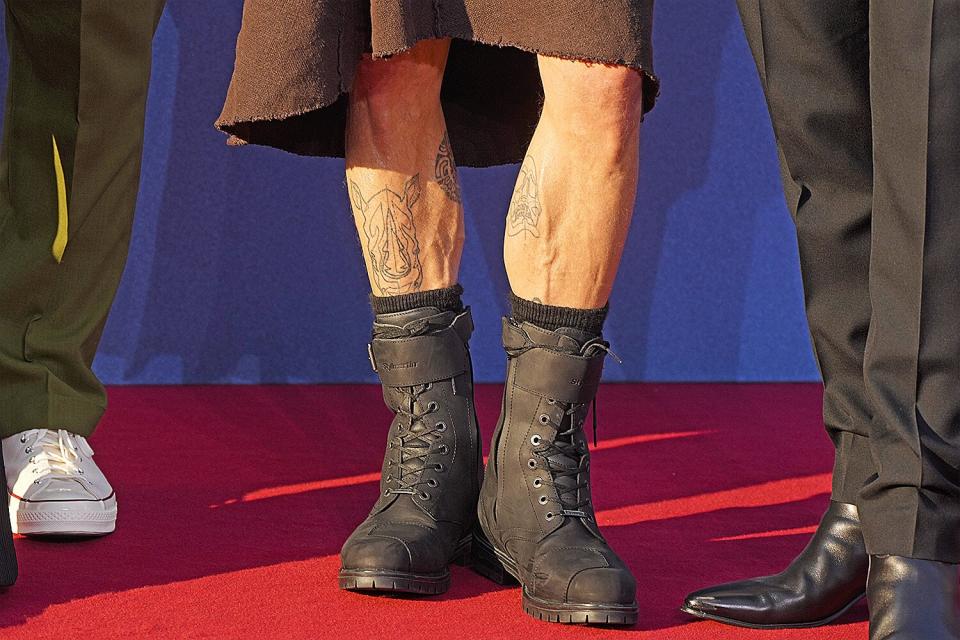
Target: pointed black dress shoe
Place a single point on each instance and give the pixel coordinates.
(826, 579)
(913, 599)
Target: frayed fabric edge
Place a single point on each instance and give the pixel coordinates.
(650, 79)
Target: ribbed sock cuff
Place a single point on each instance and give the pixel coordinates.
(447, 299)
(552, 318)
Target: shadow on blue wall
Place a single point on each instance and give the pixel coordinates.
(244, 265)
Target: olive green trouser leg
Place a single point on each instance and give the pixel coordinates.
(69, 175)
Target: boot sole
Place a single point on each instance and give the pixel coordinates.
(388, 581)
(493, 564)
(792, 625)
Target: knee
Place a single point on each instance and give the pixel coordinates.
(596, 97)
(405, 83)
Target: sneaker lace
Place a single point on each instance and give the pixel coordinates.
(57, 452)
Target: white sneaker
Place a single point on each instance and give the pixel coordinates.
(55, 486)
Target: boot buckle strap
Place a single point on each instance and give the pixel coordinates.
(559, 376)
(406, 362)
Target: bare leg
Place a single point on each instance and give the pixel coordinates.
(401, 175)
(571, 208)
(406, 204)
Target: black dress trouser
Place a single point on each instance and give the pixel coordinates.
(864, 96)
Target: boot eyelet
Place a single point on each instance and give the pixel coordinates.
(537, 482)
(432, 406)
(80, 471)
(387, 492)
(549, 516)
(444, 449)
(532, 463)
(544, 418)
(28, 450)
(432, 483)
(423, 495)
(441, 427)
(389, 477)
(535, 440)
(439, 468)
(551, 401)
(428, 386)
(543, 499)
(23, 439)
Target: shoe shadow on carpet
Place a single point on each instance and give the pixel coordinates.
(250, 491)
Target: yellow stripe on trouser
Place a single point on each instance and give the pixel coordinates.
(60, 240)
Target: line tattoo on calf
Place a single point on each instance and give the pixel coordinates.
(392, 245)
(525, 207)
(446, 170)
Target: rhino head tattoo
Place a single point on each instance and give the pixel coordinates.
(392, 245)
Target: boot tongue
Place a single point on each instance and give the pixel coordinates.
(566, 462)
(567, 339)
(411, 323)
(580, 337)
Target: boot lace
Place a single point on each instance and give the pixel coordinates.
(413, 444)
(563, 458)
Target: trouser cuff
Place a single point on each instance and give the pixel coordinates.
(911, 522)
(48, 411)
(853, 467)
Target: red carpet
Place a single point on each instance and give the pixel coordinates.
(234, 502)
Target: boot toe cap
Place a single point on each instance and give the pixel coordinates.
(399, 547)
(377, 553)
(607, 585)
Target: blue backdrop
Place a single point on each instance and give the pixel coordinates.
(244, 266)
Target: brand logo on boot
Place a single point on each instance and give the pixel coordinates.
(576, 382)
(390, 366)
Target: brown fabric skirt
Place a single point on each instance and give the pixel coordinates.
(296, 60)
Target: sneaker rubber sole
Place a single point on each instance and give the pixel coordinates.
(68, 518)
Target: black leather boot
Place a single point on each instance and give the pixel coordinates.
(912, 599)
(827, 578)
(431, 471)
(535, 511)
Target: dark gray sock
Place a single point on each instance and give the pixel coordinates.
(552, 318)
(447, 299)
